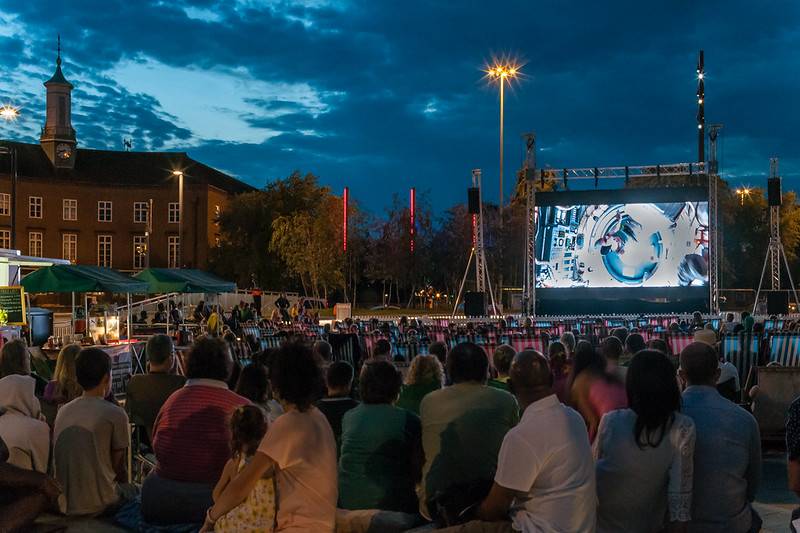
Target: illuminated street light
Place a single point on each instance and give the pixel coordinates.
(9, 113)
(742, 192)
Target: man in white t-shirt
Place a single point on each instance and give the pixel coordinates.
(545, 480)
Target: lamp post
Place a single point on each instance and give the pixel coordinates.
(742, 192)
(10, 113)
(179, 174)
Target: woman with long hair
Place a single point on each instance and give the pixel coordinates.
(560, 367)
(593, 391)
(424, 375)
(64, 386)
(644, 453)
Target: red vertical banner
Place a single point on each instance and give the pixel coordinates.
(411, 215)
(474, 230)
(344, 218)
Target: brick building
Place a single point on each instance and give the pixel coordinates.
(103, 207)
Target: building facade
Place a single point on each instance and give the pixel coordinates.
(119, 209)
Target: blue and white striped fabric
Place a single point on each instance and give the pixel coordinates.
(784, 348)
(741, 349)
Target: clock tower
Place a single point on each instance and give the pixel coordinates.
(58, 135)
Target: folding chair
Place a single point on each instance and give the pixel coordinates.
(678, 341)
(784, 349)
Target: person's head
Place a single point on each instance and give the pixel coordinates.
(248, 426)
(296, 376)
(323, 350)
(587, 358)
(528, 323)
(612, 348)
(339, 379)
(659, 345)
(14, 359)
(699, 364)
(707, 336)
(621, 334)
(439, 350)
(159, 352)
(502, 357)
(748, 322)
(467, 362)
(93, 371)
(654, 396)
(530, 378)
(380, 382)
(253, 383)
(697, 317)
(382, 349)
(568, 340)
(161, 307)
(425, 369)
(745, 314)
(634, 343)
(209, 358)
(729, 317)
(65, 375)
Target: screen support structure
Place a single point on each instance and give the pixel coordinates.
(482, 281)
(529, 173)
(713, 203)
(775, 249)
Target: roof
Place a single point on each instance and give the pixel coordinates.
(81, 278)
(165, 280)
(114, 167)
(58, 76)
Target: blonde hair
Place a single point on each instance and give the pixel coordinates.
(425, 368)
(66, 381)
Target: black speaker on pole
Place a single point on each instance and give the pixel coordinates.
(474, 200)
(774, 191)
(475, 304)
(777, 302)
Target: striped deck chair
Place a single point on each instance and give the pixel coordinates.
(346, 347)
(271, 341)
(678, 341)
(524, 342)
(784, 348)
(741, 349)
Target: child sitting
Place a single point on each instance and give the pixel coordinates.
(257, 512)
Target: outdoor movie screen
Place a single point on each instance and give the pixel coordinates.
(622, 244)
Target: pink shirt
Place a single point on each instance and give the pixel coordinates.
(604, 397)
(303, 446)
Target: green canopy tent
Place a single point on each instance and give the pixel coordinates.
(183, 280)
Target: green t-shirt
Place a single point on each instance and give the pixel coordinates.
(411, 395)
(499, 383)
(375, 467)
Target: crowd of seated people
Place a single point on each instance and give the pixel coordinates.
(591, 436)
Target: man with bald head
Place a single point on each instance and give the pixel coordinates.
(545, 478)
(727, 451)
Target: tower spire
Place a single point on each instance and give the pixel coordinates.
(58, 57)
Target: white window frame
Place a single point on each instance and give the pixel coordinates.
(174, 212)
(139, 260)
(69, 209)
(35, 207)
(140, 212)
(5, 204)
(106, 207)
(69, 247)
(103, 240)
(5, 238)
(173, 249)
(35, 238)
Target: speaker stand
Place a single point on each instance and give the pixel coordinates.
(774, 255)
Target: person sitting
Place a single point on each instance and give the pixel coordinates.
(339, 383)
(161, 314)
(324, 351)
(425, 375)
(257, 511)
(612, 349)
(545, 480)
(148, 392)
(305, 474)
(90, 441)
(727, 452)
(634, 343)
(25, 434)
(568, 340)
(462, 426)
(191, 438)
(382, 351)
(644, 453)
(381, 456)
(253, 384)
(15, 359)
(502, 357)
(593, 391)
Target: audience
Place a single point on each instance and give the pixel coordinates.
(634, 343)
(462, 427)
(594, 392)
(612, 349)
(191, 438)
(90, 442)
(381, 448)
(561, 369)
(15, 359)
(644, 453)
(148, 392)
(568, 340)
(382, 351)
(324, 351)
(503, 355)
(26, 435)
(425, 375)
(24, 494)
(339, 383)
(305, 474)
(727, 456)
(253, 384)
(64, 386)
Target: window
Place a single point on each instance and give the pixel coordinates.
(173, 251)
(140, 212)
(174, 212)
(35, 206)
(69, 246)
(35, 243)
(69, 209)
(5, 204)
(104, 243)
(104, 211)
(5, 238)
(139, 251)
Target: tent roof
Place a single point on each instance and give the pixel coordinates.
(163, 280)
(81, 278)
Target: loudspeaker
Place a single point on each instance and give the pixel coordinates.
(777, 303)
(475, 304)
(774, 191)
(474, 200)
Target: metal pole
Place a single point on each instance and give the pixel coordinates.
(502, 110)
(149, 231)
(180, 221)
(14, 199)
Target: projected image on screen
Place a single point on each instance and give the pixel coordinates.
(622, 245)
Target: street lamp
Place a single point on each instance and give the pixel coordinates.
(10, 113)
(742, 192)
(179, 174)
(502, 73)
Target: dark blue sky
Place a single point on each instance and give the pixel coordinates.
(383, 95)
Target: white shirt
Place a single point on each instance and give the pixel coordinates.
(548, 457)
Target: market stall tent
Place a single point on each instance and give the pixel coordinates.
(81, 278)
(182, 280)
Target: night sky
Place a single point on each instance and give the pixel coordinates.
(382, 95)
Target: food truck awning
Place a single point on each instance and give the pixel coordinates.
(185, 280)
(81, 278)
